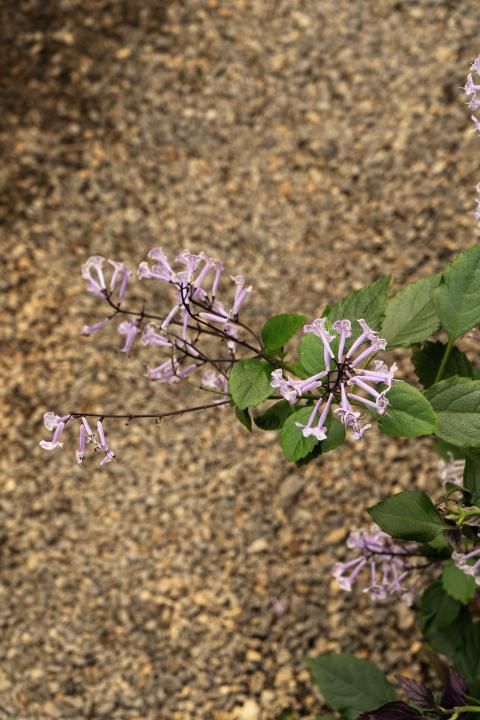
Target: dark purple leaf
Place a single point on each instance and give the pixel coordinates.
(454, 537)
(454, 691)
(417, 693)
(392, 711)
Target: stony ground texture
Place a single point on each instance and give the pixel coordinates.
(314, 145)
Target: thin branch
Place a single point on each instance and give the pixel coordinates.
(156, 416)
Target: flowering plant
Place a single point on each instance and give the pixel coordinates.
(337, 381)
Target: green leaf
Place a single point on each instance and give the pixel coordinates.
(294, 444)
(244, 418)
(438, 609)
(335, 434)
(349, 684)
(410, 315)
(467, 657)
(457, 584)
(368, 303)
(275, 416)
(250, 382)
(471, 475)
(409, 413)
(457, 404)
(457, 299)
(449, 638)
(408, 515)
(278, 330)
(427, 360)
(311, 353)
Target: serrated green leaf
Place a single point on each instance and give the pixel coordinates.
(408, 515)
(456, 402)
(244, 417)
(427, 360)
(409, 413)
(457, 299)
(275, 416)
(438, 609)
(349, 684)
(278, 330)
(410, 315)
(367, 303)
(250, 382)
(294, 444)
(457, 584)
(311, 354)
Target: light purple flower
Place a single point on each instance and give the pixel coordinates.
(215, 381)
(383, 558)
(120, 274)
(90, 329)
(452, 470)
(103, 445)
(55, 441)
(160, 271)
(320, 431)
(92, 271)
(130, 329)
(150, 336)
(469, 563)
(80, 452)
(241, 294)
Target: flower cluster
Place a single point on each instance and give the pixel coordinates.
(346, 378)
(196, 311)
(384, 560)
(57, 424)
(469, 563)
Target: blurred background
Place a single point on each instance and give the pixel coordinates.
(314, 146)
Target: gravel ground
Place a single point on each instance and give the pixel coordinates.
(314, 145)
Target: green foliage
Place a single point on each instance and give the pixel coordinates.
(427, 359)
(438, 609)
(410, 315)
(467, 656)
(457, 299)
(368, 303)
(457, 403)
(278, 330)
(409, 414)
(349, 684)
(457, 584)
(275, 416)
(408, 515)
(471, 474)
(244, 417)
(250, 382)
(294, 444)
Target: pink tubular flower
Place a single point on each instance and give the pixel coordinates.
(55, 441)
(385, 561)
(152, 337)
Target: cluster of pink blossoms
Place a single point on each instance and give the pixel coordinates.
(345, 374)
(384, 560)
(57, 424)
